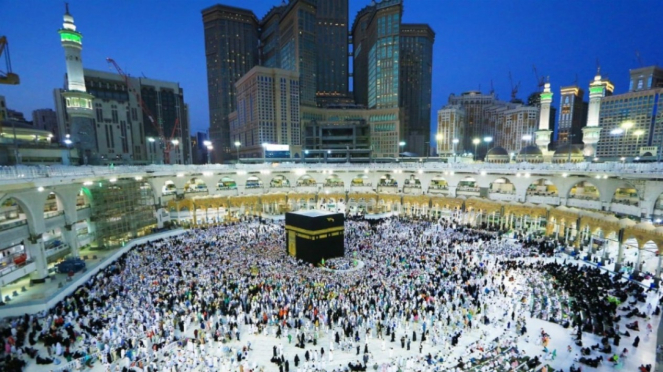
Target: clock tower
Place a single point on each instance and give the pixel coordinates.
(598, 89)
(80, 129)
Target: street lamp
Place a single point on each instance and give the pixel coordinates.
(237, 145)
(152, 150)
(209, 153)
(455, 142)
(438, 138)
(68, 142)
(527, 137)
(476, 143)
(626, 126)
(487, 140)
(402, 145)
(176, 142)
(637, 134)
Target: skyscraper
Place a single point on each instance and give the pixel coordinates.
(474, 103)
(331, 39)
(416, 76)
(231, 50)
(632, 123)
(267, 111)
(45, 119)
(376, 43)
(311, 38)
(392, 67)
(298, 50)
(572, 116)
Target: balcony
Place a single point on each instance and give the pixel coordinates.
(307, 189)
(543, 199)
(54, 219)
(388, 188)
(625, 207)
(226, 191)
(502, 196)
(10, 224)
(434, 189)
(468, 191)
(82, 206)
(584, 203)
(197, 191)
(53, 250)
(13, 272)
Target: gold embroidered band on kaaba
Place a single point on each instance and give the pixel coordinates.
(315, 234)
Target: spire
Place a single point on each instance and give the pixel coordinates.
(66, 8)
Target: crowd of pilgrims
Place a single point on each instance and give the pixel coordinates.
(197, 301)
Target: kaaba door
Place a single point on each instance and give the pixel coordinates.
(292, 244)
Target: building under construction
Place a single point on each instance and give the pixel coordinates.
(121, 210)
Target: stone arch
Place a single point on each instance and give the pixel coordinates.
(279, 181)
(19, 209)
(584, 190)
(306, 181)
(53, 205)
(226, 183)
(412, 181)
(83, 198)
(438, 182)
(542, 187)
(657, 209)
(360, 179)
(502, 185)
(253, 182)
(195, 184)
(626, 194)
(333, 180)
(168, 188)
(387, 180)
(468, 183)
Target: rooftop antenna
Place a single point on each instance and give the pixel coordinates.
(492, 89)
(539, 81)
(598, 67)
(638, 58)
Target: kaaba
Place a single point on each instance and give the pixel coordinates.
(314, 235)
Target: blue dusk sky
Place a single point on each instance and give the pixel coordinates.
(476, 41)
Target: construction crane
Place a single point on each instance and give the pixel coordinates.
(514, 88)
(540, 81)
(7, 77)
(168, 142)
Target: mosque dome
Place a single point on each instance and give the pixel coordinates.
(530, 154)
(497, 155)
(567, 153)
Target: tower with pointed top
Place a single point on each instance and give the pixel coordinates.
(79, 131)
(544, 132)
(598, 89)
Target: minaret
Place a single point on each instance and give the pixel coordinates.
(598, 89)
(81, 132)
(544, 132)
